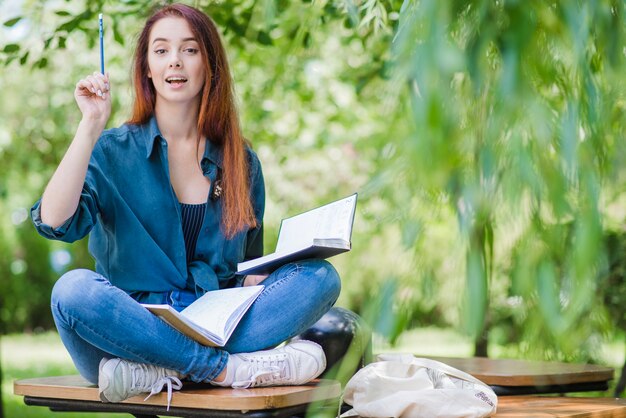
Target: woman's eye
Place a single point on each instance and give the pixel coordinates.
(159, 51)
(191, 50)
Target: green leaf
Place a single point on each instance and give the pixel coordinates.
(11, 22)
(269, 12)
(353, 13)
(547, 290)
(236, 27)
(73, 23)
(381, 312)
(42, 63)
(263, 38)
(410, 232)
(117, 35)
(306, 41)
(476, 293)
(11, 48)
(62, 13)
(23, 58)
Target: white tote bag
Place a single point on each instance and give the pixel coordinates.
(401, 385)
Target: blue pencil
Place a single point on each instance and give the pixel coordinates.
(101, 44)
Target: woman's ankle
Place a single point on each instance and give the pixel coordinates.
(220, 377)
(226, 376)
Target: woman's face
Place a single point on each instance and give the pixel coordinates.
(174, 62)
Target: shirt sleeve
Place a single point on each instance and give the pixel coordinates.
(254, 239)
(77, 226)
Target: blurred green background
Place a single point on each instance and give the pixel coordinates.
(485, 139)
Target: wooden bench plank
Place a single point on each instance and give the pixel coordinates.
(544, 406)
(509, 372)
(192, 395)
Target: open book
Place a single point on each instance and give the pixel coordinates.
(318, 233)
(213, 317)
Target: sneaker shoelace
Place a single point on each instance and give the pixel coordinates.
(142, 380)
(264, 370)
(172, 383)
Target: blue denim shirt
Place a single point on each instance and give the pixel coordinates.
(131, 212)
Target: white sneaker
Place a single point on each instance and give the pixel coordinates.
(294, 364)
(121, 379)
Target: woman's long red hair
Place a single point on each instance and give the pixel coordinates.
(217, 118)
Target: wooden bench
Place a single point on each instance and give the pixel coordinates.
(543, 406)
(73, 393)
(526, 377)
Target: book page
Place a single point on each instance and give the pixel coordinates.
(183, 324)
(214, 309)
(331, 221)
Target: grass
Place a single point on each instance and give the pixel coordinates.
(25, 356)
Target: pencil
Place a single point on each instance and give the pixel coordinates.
(101, 44)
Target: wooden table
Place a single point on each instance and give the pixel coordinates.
(73, 393)
(524, 377)
(543, 406)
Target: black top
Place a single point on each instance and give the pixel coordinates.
(192, 217)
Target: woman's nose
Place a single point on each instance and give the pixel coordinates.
(175, 61)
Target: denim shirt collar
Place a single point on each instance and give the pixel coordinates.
(212, 152)
(151, 136)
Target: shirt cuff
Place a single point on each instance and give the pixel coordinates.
(45, 229)
(203, 277)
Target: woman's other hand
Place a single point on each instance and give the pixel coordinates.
(93, 96)
(254, 279)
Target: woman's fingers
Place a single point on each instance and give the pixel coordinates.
(100, 84)
(94, 85)
(254, 279)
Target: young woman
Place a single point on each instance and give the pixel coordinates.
(172, 200)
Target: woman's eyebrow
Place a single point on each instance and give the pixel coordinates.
(167, 40)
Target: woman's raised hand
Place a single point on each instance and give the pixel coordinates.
(62, 195)
(93, 96)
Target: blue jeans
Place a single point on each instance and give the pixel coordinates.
(96, 319)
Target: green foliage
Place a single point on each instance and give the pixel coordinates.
(484, 139)
(612, 278)
(518, 107)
